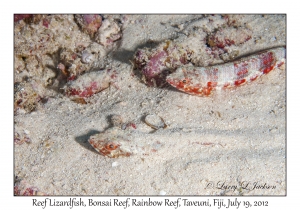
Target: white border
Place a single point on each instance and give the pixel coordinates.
(8, 201)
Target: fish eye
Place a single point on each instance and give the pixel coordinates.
(111, 146)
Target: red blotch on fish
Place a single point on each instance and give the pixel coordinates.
(203, 80)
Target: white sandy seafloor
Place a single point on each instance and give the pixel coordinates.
(234, 137)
